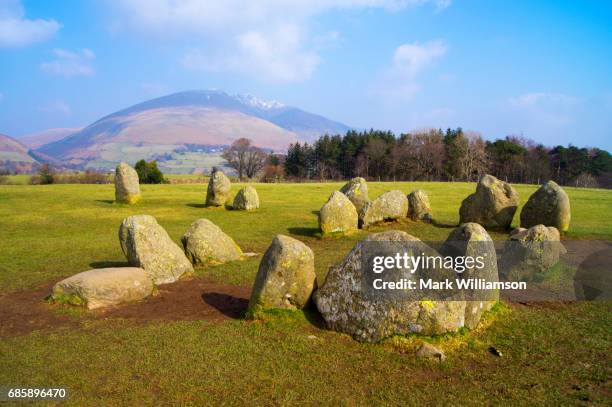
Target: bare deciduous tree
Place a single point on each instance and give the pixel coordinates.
(245, 158)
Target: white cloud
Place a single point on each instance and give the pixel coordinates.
(400, 80)
(17, 31)
(57, 107)
(69, 63)
(268, 39)
(546, 107)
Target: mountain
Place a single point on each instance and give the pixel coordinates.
(39, 139)
(187, 131)
(14, 156)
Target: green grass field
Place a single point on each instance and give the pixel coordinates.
(555, 354)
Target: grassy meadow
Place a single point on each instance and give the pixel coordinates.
(49, 232)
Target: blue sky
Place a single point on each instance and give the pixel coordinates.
(541, 69)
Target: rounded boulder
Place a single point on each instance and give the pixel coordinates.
(246, 199)
(338, 215)
(286, 277)
(205, 243)
(147, 245)
(127, 186)
(548, 206)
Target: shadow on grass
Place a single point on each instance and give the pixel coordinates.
(106, 201)
(228, 305)
(316, 212)
(312, 315)
(442, 225)
(105, 264)
(301, 231)
(197, 205)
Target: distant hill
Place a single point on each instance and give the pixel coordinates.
(39, 139)
(14, 156)
(172, 127)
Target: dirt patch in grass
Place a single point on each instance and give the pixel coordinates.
(193, 299)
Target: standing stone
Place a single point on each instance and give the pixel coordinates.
(471, 240)
(104, 287)
(349, 304)
(391, 205)
(127, 188)
(286, 277)
(246, 199)
(529, 252)
(357, 191)
(338, 215)
(418, 206)
(492, 205)
(147, 245)
(549, 206)
(205, 243)
(218, 190)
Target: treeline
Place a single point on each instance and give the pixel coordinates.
(451, 155)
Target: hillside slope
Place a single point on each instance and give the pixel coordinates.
(194, 121)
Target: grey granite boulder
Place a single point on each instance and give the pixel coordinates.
(418, 206)
(218, 191)
(548, 206)
(349, 304)
(529, 252)
(105, 287)
(471, 241)
(338, 215)
(246, 199)
(357, 191)
(205, 243)
(147, 245)
(127, 186)
(492, 205)
(391, 205)
(286, 277)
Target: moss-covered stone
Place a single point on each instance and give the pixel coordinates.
(286, 277)
(147, 245)
(391, 205)
(338, 215)
(357, 191)
(205, 243)
(246, 199)
(103, 287)
(127, 187)
(347, 306)
(218, 191)
(470, 240)
(418, 206)
(548, 206)
(492, 205)
(529, 252)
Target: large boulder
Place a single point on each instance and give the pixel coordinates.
(492, 205)
(104, 287)
(529, 252)
(205, 243)
(418, 206)
(246, 199)
(286, 277)
(391, 205)
(349, 303)
(338, 215)
(127, 187)
(218, 191)
(471, 241)
(357, 191)
(548, 206)
(147, 245)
